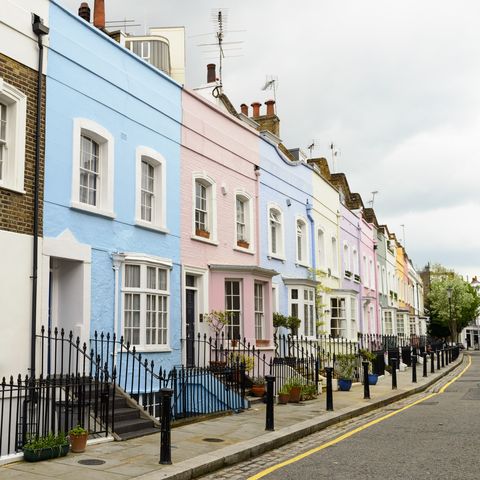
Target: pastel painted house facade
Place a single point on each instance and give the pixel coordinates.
(286, 222)
(111, 255)
(219, 227)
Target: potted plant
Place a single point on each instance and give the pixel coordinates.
(200, 232)
(258, 387)
(44, 448)
(309, 392)
(242, 243)
(295, 389)
(78, 439)
(345, 370)
(369, 357)
(293, 323)
(284, 394)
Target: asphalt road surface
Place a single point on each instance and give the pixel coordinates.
(439, 438)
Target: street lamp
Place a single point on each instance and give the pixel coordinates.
(449, 294)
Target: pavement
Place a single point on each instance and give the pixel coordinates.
(203, 447)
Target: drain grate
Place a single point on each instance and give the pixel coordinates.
(213, 440)
(91, 461)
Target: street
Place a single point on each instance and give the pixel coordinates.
(435, 438)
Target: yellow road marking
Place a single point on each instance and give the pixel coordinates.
(273, 468)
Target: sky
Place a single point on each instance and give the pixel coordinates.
(395, 86)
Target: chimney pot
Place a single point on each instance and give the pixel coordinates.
(270, 107)
(84, 11)
(99, 14)
(256, 109)
(244, 109)
(211, 75)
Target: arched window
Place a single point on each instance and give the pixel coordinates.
(346, 260)
(275, 232)
(204, 208)
(302, 242)
(321, 249)
(243, 221)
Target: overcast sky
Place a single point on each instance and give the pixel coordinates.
(394, 85)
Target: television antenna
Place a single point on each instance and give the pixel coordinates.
(122, 23)
(312, 147)
(373, 198)
(271, 83)
(335, 153)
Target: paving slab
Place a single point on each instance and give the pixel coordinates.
(242, 436)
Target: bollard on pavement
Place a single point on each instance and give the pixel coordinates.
(432, 362)
(393, 364)
(329, 372)
(165, 420)
(451, 354)
(438, 359)
(446, 357)
(366, 385)
(424, 357)
(443, 357)
(269, 419)
(414, 369)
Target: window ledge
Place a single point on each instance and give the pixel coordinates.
(90, 209)
(152, 348)
(276, 257)
(301, 264)
(204, 240)
(12, 188)
(244, 250)
(151, 226)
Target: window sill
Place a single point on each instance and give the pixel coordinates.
(204, 240)
(93, 210)
(152, 348)
(301, 264)
(151, 226)
(12, 188)
(276, 257)
(244, 250)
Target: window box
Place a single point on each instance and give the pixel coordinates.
(202, 233)
(243, 244)
(348, 274)
(262, 343)
(356, 278)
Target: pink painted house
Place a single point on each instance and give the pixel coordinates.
(219, 231)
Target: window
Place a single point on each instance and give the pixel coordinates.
(150, 189)
(13, 111)
(353, 316)
(346, 260)
(259, 312)
(145, 51)
(366, 279)
(413, 326)
(338, 320)
(302, 243)
(334, 256)
(145, 304)
(355, 262)
(233, 306)
(308, 312)
(92, 176)
(388, 323)
(276, 232)
(371, 274)
(243, 223)
(400, 325)
(321, 249)
(204, 205)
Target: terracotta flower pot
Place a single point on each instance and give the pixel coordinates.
(258, 390)
(283, 398)
(295, 394)
(262, 343)
(243, 243)
(78, 442)
(202, 233)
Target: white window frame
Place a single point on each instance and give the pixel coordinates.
(304, 258)
(321, 250)
(211, 188)
(230, 326)
(299, 306)
(353, 317)
(13, 168)
(280, 239)
(334, 247)
(144, 262)
(159, 164)
(355, 263)
(247, 200)
(346, 260)
(259, 310)
(99, 134)
(388, 323)
(341, 330)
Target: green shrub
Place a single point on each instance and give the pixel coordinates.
(78, 430)
(345, 366)
(48, 441)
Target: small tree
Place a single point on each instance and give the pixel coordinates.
(217, 320)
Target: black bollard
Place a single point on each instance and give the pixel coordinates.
(393, 364)
(366, 385)
(329, 371)
(446, 357)
(451, 354)
(414, 369)
(165, 420)
(438, 359)
(443, 357)
(269, 419)
(432, 362)
(424, 357)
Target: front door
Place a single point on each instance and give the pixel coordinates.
(190, 318)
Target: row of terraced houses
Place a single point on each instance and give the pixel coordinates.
(132, 205)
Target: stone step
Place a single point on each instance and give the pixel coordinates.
(131, 425)
(138, 433)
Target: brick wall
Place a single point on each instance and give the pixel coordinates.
(16, 209)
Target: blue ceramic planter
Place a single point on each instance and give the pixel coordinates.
(372, 378)
(344, 385)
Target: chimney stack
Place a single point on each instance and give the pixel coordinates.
(99, 14)
(84, 11)
(244, 109)
(256, 109)
(270, 107)
(211, 75)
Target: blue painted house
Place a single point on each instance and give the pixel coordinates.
(112, 192)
